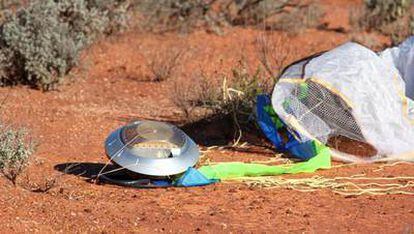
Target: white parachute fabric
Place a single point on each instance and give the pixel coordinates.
(402, 58)
(354, 93)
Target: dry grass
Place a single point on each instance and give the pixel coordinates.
(182, 95)
(200, 90)
(39, 186)
(164, 63)
(356, 14)
(230, 96)
(233, 92)
(274, 53)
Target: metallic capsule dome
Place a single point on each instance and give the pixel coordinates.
(152, 148)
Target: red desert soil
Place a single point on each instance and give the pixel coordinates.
(71, 124)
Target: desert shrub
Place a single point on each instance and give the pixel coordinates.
(7, 6)
(381, 12)
(184, 15)
(274, 54)
(181, 15)
(10, 4)
(399, 30)
(182, 95)
(209, 93)
(232, 94)
(252, 12)
(289, 16)
(163, 63)
(197, 91)
(15, 151)
(117, 12)
(391, 18)
(240, 95)
(298, 19)
(42, 42)
(39, 186)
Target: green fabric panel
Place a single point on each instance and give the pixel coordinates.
(410, 104)
(319, 147)
(304, 91)
(233, 170)
(269, 109)
(286, 104)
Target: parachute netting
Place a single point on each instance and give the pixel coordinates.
(352, 100)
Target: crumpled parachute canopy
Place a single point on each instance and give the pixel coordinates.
(352, 99)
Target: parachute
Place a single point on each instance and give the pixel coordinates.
(356, 101)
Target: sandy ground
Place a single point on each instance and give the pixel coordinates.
(110, 89)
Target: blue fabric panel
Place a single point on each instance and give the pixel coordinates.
(266, 124)
(192, 177)
(302, 151)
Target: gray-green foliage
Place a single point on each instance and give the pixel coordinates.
(250, 85)
(386, 11)
(231, 94)
(392, 18)
(184, 15)
(254, 12)
(7, 4)
(42, 42)
(15, 151)
(117, 12)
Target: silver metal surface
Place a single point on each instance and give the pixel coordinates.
(152, 148)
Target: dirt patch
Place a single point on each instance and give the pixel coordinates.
(354, 147)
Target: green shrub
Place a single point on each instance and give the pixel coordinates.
(185, 15)
(399, 30)
(7, 6)
(381, 12)
(233, 95)
(298, 19)
(227, 98)
(274, 54)
(10, 4)
(180, 15)
(117, 12)
(41, 43)
(290, 16)
(15, 151)
(390, 18)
